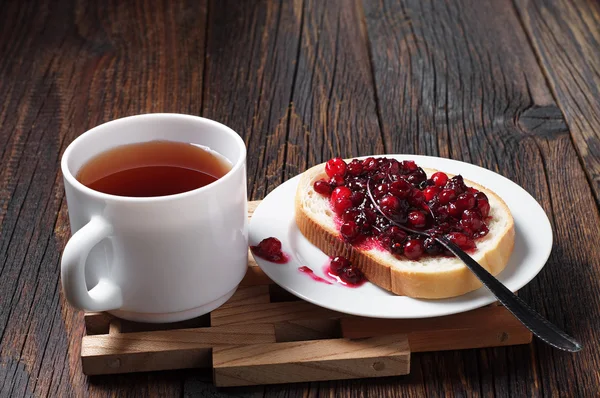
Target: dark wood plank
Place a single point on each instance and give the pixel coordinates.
(332, 113)
(251, 50)
(333, 110)
(566, 38)
(461, 81)
(251, 60)
(67, 66)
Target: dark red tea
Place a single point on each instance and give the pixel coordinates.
(154, 168)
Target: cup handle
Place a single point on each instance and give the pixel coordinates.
(106, 295)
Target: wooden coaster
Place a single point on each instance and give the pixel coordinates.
(264, 335)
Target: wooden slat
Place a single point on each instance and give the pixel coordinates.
(270, 313)
(311, 361)
(484, 327)
(307, 329)
(252, 205)
(494, 317)
(450, 340)
(248, 295)
(170, 349)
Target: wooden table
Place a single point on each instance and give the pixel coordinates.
(508, 85)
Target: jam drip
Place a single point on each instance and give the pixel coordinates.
(337, 270)
(304, 269)
(342, 271)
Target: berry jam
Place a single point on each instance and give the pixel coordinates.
(270, 249)
(440, 205)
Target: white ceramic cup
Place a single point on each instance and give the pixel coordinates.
(156, 259)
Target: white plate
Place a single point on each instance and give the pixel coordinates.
(275, 217)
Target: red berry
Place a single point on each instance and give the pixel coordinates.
(409, 165)
(270, 245)
(430, 192)
(394, 167)
(336, 181)
(417, 177)
(416, 198)
(349, 230)
(357, 198)
(370, 215)
(484, 208)
(413, 249)
(461, 240)
(446, 196)
(417, 219)
(351, 275)
(354, 168)
(322, 187)
(335, 167)
(454, 211)
(482, 204)
(400, 188)
(370, 164)
(377, 177)
(481, 195)
(439, 179)
(396, 234)
(357, 185)
(390, 201)
(381, 190)
(350, 215)
(341, 204)
(465, 201)
(431, 246)
(338, 264)
(269, 249)
(340, 193)
(471, 220)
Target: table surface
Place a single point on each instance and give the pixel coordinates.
(508, 85)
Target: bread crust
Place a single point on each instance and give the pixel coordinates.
(412, 282)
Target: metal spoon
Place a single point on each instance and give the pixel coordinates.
(523, 312)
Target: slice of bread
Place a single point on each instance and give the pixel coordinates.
(431, 277)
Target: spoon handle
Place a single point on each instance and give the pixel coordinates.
(523, 312)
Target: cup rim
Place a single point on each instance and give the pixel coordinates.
(70, 178)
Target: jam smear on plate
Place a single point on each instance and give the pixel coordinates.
(313, 276)
(337, 270)
(341, 270)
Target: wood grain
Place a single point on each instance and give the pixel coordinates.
(454, 80)
(566, 38)
(485, 327)
(160, 350)
(269, 313)
(300, 81)
(67, 66)
(311, 360)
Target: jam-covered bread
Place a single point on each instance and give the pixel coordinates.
(335, 212)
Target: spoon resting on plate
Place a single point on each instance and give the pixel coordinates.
(533, 321)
